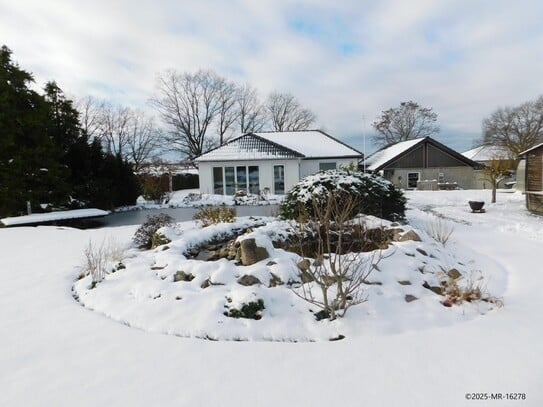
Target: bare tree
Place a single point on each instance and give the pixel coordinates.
(338, 270)
(406, 122)
(228, 112)
(115, 128)
(252, 114)
(143, 140)
(286, 113)
(498, 169)
(515, 128)
(90, 110)
(188, 104)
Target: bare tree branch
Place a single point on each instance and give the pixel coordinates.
(409, 121)
(252, 114)
(286, 113)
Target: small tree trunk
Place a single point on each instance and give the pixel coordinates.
(493, 194)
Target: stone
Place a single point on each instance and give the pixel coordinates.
(248, 280)
(306, 277)
(304, 265)
(275, 281)
(422, 251)
(410, 298)
(396, 234)
(436, 289)
(454, 274)
(206, 283)
(251, 253)
(404, 282)
(182, 276)
(447, 303)
(409, 235)
(271, 263)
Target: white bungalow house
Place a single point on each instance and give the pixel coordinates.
(270, 161)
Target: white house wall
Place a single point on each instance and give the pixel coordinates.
(308, 167)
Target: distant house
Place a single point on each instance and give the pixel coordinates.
(270, 161)
(484, 155)
(423, 163)
(534, 177)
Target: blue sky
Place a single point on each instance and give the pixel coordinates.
(347, 61)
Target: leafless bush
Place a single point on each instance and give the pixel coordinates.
(98, 258)
(473, 289)
(439, 229)
(337, 272)
(210, 215)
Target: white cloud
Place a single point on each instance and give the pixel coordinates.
(351, 59)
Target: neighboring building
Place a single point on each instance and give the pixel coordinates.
(534, 178)
(270, 161)
(483, 155)
(424, 163)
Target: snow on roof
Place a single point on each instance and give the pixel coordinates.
(248, 147)
(485, 153)
(386, 154)
(532, 148)
(53, 216)
(310, 143)
(288, 144)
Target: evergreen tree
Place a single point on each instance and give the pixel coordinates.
(30, 166)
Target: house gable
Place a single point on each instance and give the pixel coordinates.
(419, 153)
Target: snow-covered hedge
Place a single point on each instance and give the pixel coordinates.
(374, 195)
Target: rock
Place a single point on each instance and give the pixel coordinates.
(248, 280)
(422, 251)
(447, 303)
(251, 253)
(275, 281)
(409, 235)
(182, 276)
(304, 265)
(306, 277)
(396, 234)
(404, 282)
(271, 263)
(435, 289)
(410, 298)
(454, 274)
(206, 283)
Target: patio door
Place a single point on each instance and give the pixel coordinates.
(279, 179)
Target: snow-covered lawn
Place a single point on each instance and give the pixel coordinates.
(54, 352)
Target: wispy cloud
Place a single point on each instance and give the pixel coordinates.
(344, 61)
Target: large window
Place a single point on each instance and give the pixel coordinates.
(279, 179)
(254, 181)
(327, 166)
(227, 180)
(217, 181)
(241, 178)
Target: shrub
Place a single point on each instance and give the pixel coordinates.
(98, 259)
(144, 235)
(439, 230)
(211, 215)
(250, 310)
(372, 195)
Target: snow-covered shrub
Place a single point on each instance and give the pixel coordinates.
(249, 310)
(159, 239)
(373, 195)
(211, 215)
(144, 235)
(470, 289)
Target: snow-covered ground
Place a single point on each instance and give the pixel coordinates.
(54, 352)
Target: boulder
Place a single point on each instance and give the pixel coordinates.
(304, 265)
(250, 253)
(275, 281)
(454, 274)
(409, 235)
(182, 276)
(248, 280)
(410, 298)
